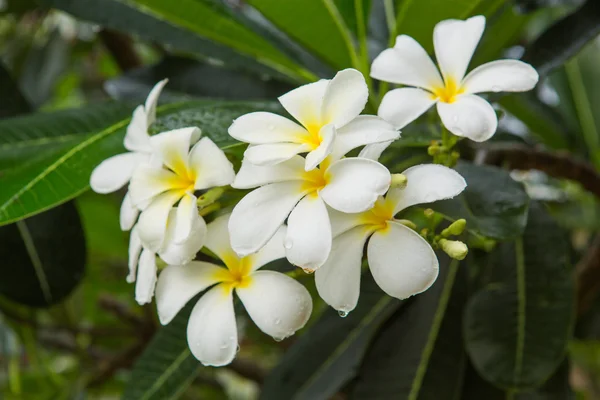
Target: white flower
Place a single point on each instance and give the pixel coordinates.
(142, 260)
(276, 303)
(461, 111)
(155, 189)
(115, 172)
(401, 261)
(329, 113)
(347, 185)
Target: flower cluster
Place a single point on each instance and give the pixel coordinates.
(311, 203)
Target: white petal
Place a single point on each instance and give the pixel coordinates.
(114, 172)
(342, 222)
(308, 239)
(315, 157)
(173, 147)
(181, 253)
(305, 102)
(187, 211)
(426, 183)
(355, 184)
(257, 217)
(407, 64)
(177, 284)
(455, 42)
(402, 106)
(401, 261)
(152, 101)
(137, 138)
(152, 224)
(217, 239)
(501, 76)
(277, 304)
(271, 251)
(211, 330)
(146, 277)
(345, 98)
(128, 214)
(250, 175)
(135, 248)
(149, 181)
(469, 116)
(265, 128)
(338, 280)
(211, 165)
(374, 151)
(271, 154)
(363, 130)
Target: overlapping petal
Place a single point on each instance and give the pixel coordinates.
(315, 157)
(173, 147)
(179, 253)
(265, 128)
(152, 224)
(128, 213)
(469, 116)
(210, 165)
(250, 176)
(401, 261)
(402, 106)
(305, 103)
(146, 277)
(345, 97)
(363, 130)
(271, 154)
(136, 137)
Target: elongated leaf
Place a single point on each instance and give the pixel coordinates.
(555, 388)
(493, 204)
(565, 38)
(327, 356)
(419, 353)
(518, 326)
(43, 257)
(166, 368)
(194, 78)
(186, 25)
(69, 148)
(315, 24)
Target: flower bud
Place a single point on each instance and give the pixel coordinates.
(407, 223)
(210, 197)
(455, 229)
(454, 248)
(399, 181)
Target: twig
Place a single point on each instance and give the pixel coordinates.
(121, 310)
(588, 277)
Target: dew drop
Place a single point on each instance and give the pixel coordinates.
(237, 348)
(496, 88)
(343, 314)
(308, 270)
(288, 243)
(277, 321)
(224, 346)
(278, 339)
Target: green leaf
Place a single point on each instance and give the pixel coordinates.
(564, 38)
(493, 204)
(47, 159)
(518, 326)
(555, 388)
(188, 25)
(419, 352)
(166, 367)
(38, 268)
(12, 101)
(194, 78)
(317, 25)
(327, 355)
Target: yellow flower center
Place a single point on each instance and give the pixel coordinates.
(237, 273)
(377, 217)
(311, 137)
(184, 183)
(448, 93)
(316, 179)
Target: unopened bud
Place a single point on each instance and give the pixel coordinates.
(454, 248)
(429, 212)
(399, 181)
(407, 223)
(210, 197)
(433, 149)
(455, 229)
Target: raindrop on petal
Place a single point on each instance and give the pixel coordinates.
(343, 314)
(496, 88)
(288, 243)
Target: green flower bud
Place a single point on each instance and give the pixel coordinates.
(454, 248)
(399, 181)
(455, 229)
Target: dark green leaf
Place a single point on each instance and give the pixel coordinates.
(194, 78)
(315, 24)
(166, 368)
(518, 326)
(43, 257)
(477, 388)
(565, 38)
(419, 353)
(493, 204)
(555, 388)
(327, 355)
(186, 25)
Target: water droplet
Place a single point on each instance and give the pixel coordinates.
(496, 88)
(277, 321)
(237, 348)
(224, 346)
(278, 339)
(308, 270)
(343, 314)
(288, 243)
(457, 130)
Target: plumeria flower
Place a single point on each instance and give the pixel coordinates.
(142, 260)
(348, 185)
(115, 172)
(461, 110)
(156, 188)
(277, 304)
(401, 261)
(328, 111)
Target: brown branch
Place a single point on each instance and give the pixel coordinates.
(120, 46)
(557, 165)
